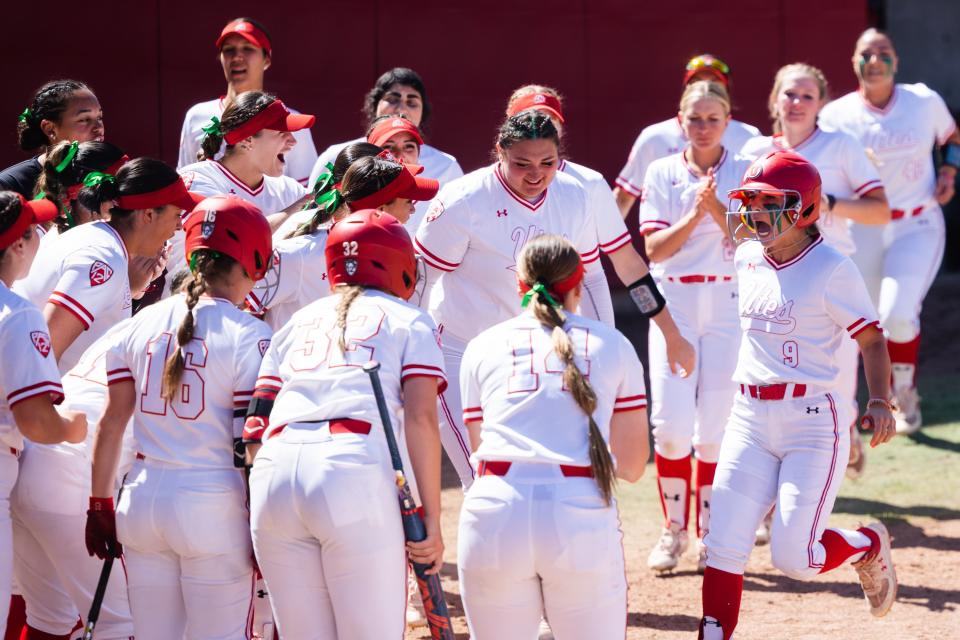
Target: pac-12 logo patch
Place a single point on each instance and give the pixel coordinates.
(41, 342)
(435, 211)
(100, 272)
(263, 345)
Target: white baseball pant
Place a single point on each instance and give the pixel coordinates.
(534, 543)
(8, 477)
(453, 432)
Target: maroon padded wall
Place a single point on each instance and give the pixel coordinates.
(618, 62)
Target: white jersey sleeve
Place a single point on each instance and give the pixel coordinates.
(649, 145)
(943, 123)
(296, 278)
(612, 233)
(860, 173)
(443, 240)
(656, 209)
(847, 301)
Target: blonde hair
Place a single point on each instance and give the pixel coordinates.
(348, 293)
(795, 69)
(527, 89)
(548, 259)
(705, 89)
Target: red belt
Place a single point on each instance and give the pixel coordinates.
(697, 278)
(773, 391)
(501, 467)
(337, 425)
(896, 214)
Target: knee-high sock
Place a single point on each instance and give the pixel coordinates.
(16, 619)
(843, 545)
(673, 478)
(705, 471)
(721, 600)
(903, 358)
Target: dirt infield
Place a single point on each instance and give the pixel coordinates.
(913, 486)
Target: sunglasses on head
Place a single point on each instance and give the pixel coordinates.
(701, 62)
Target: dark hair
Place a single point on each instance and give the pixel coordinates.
(366, 176)
(347, 156)
(548, 259)
(258, 25)
(397, 75)
(49, 103)
(9, 213)
(91, 156)
(242, 108)
(141, 175)
(210, 267)
(527, 125)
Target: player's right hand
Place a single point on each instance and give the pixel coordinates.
(883, 424)
(428, 551)
(101, 529)
(681, 356)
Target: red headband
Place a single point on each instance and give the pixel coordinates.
(174, 193)
(32, 212)
(559, 288)
(405, 185)
(276, 117)
(74, 189)
(249, 32)
(386, 129)
(540, 102)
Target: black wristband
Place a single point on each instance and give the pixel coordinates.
(830, 202)
(646, 295)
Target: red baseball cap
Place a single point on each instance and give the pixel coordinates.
(248, 31)
(389, 127)
(706, 62)
(31, 212)
(407, 184)
(276, 117)
(540, 101)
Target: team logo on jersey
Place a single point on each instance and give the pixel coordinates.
(41, 342)
(209, 224)
(100, 272)
(435, 211)
(501, 213)
(351, 266)
(263, 345)
(188, 178)
(769, 312)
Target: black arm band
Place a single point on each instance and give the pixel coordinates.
(260, 407)
(647, 296)
(951, 155)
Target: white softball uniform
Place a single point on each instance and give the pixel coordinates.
(535, 534)
(297, 277)
(324, 515)
(182, 515)
(84, 271)
(472, 235)
(436, 164)
(23, 340)
(787, 438)
(845, 172)
(299, 160)
(211, 178)
(53, 570)
(698, 282)
(899, 260)
(665, 139)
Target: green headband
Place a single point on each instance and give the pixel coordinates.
(326, 196)
(196, 254)
(26, 115)
(95, 178)
(213, 129)
(542, 290)
(71, 154)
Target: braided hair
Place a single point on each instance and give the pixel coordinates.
(49, 103)
(54, 184)
(242, 108)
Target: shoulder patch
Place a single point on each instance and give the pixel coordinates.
(100, 273)
(41, 342)
(188, 178)
(263, 345)
(435, 211)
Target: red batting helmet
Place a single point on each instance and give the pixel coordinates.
(231, 226)
(371, 248)
(787, 174)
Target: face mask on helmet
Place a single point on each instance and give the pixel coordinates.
(761, 215)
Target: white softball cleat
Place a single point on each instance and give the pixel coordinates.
(666, 553)
(907, 411)
(878, 578)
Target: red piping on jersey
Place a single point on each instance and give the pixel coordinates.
(117, 236)
(826, 488)
(873, 184)
(875, 324)
(434, 261)
(649, 226)
(946, 138)
(793, 260)
(237, 181)
(633, 403)
(716, 167)
(628, 186)
(616, 243)
(697, 278)
(778, 138)
(456, 432)
(68, 303)
(886, 109)
(591, 256)
(533, 206)
(38, 389)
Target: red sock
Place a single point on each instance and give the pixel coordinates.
(705, 471)
(672, 491)
(905, 353)
(16, 619)
(36, 634)
(839, 549)
(721, 598)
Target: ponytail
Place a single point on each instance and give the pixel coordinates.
(242, 108)
(348, 293)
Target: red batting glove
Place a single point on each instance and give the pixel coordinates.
(101, 530)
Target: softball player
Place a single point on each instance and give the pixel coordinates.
(298, 275)
(184, 369)
(851, 187)
(786, 437)
(399, 91)
(398, 135)
(684, 227)
(472, 235)
(246, 52)
(539, 529)
(899, 124)
(667, 138)
(60, 110)
(29, 389)
(612, 233)
(324, 516)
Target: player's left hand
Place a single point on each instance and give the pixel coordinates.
(881, 421)
(945, 185)
(429, 551)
